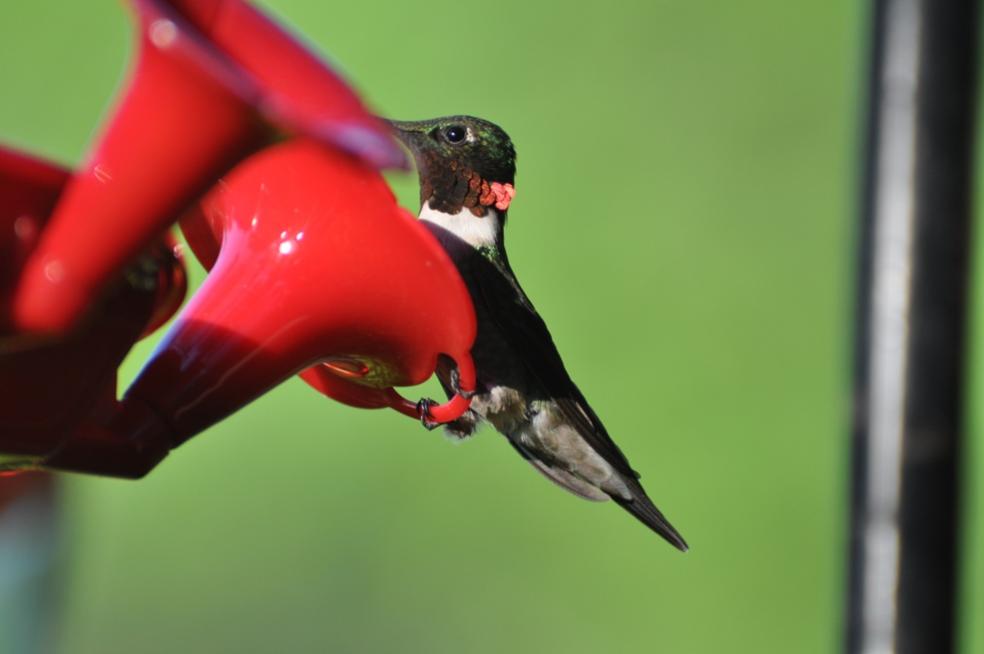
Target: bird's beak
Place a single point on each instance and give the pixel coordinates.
(410, 133)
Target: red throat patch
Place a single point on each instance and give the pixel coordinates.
(501, 195)
(460, 187)
(489, 195)
(504, 194)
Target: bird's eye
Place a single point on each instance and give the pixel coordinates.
(455, 133)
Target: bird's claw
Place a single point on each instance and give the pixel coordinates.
(423, 410)
(455, 381)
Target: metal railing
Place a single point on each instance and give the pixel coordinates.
(911, 316)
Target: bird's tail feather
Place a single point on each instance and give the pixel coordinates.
(646, 512)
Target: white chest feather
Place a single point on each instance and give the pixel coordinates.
(474, 230)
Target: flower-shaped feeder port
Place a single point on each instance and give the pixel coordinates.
(313, 266)
(214, 80)
(51, 386)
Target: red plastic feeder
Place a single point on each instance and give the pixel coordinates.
(336, 251)
(51, 385)
(313, 266)
(214, 80)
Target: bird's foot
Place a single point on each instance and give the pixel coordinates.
(464, 427)
(423, 410)
(455, 382)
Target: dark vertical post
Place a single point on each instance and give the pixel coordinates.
(912, 311)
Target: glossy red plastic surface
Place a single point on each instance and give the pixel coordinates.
(317, 262)
(213, 81)
(315, 269)
(29, 189)
(297, 91)
(51, 386)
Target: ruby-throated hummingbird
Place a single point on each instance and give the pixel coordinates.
(467, 167)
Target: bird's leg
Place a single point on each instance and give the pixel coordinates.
(423, 410)
(454, 380)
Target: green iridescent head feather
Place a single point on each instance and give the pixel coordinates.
(458, 158)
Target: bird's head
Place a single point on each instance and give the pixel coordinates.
(463, 162)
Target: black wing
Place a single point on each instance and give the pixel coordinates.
(500, 300)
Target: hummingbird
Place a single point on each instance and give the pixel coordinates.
(466, 167)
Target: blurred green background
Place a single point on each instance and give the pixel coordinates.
(684, 224)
